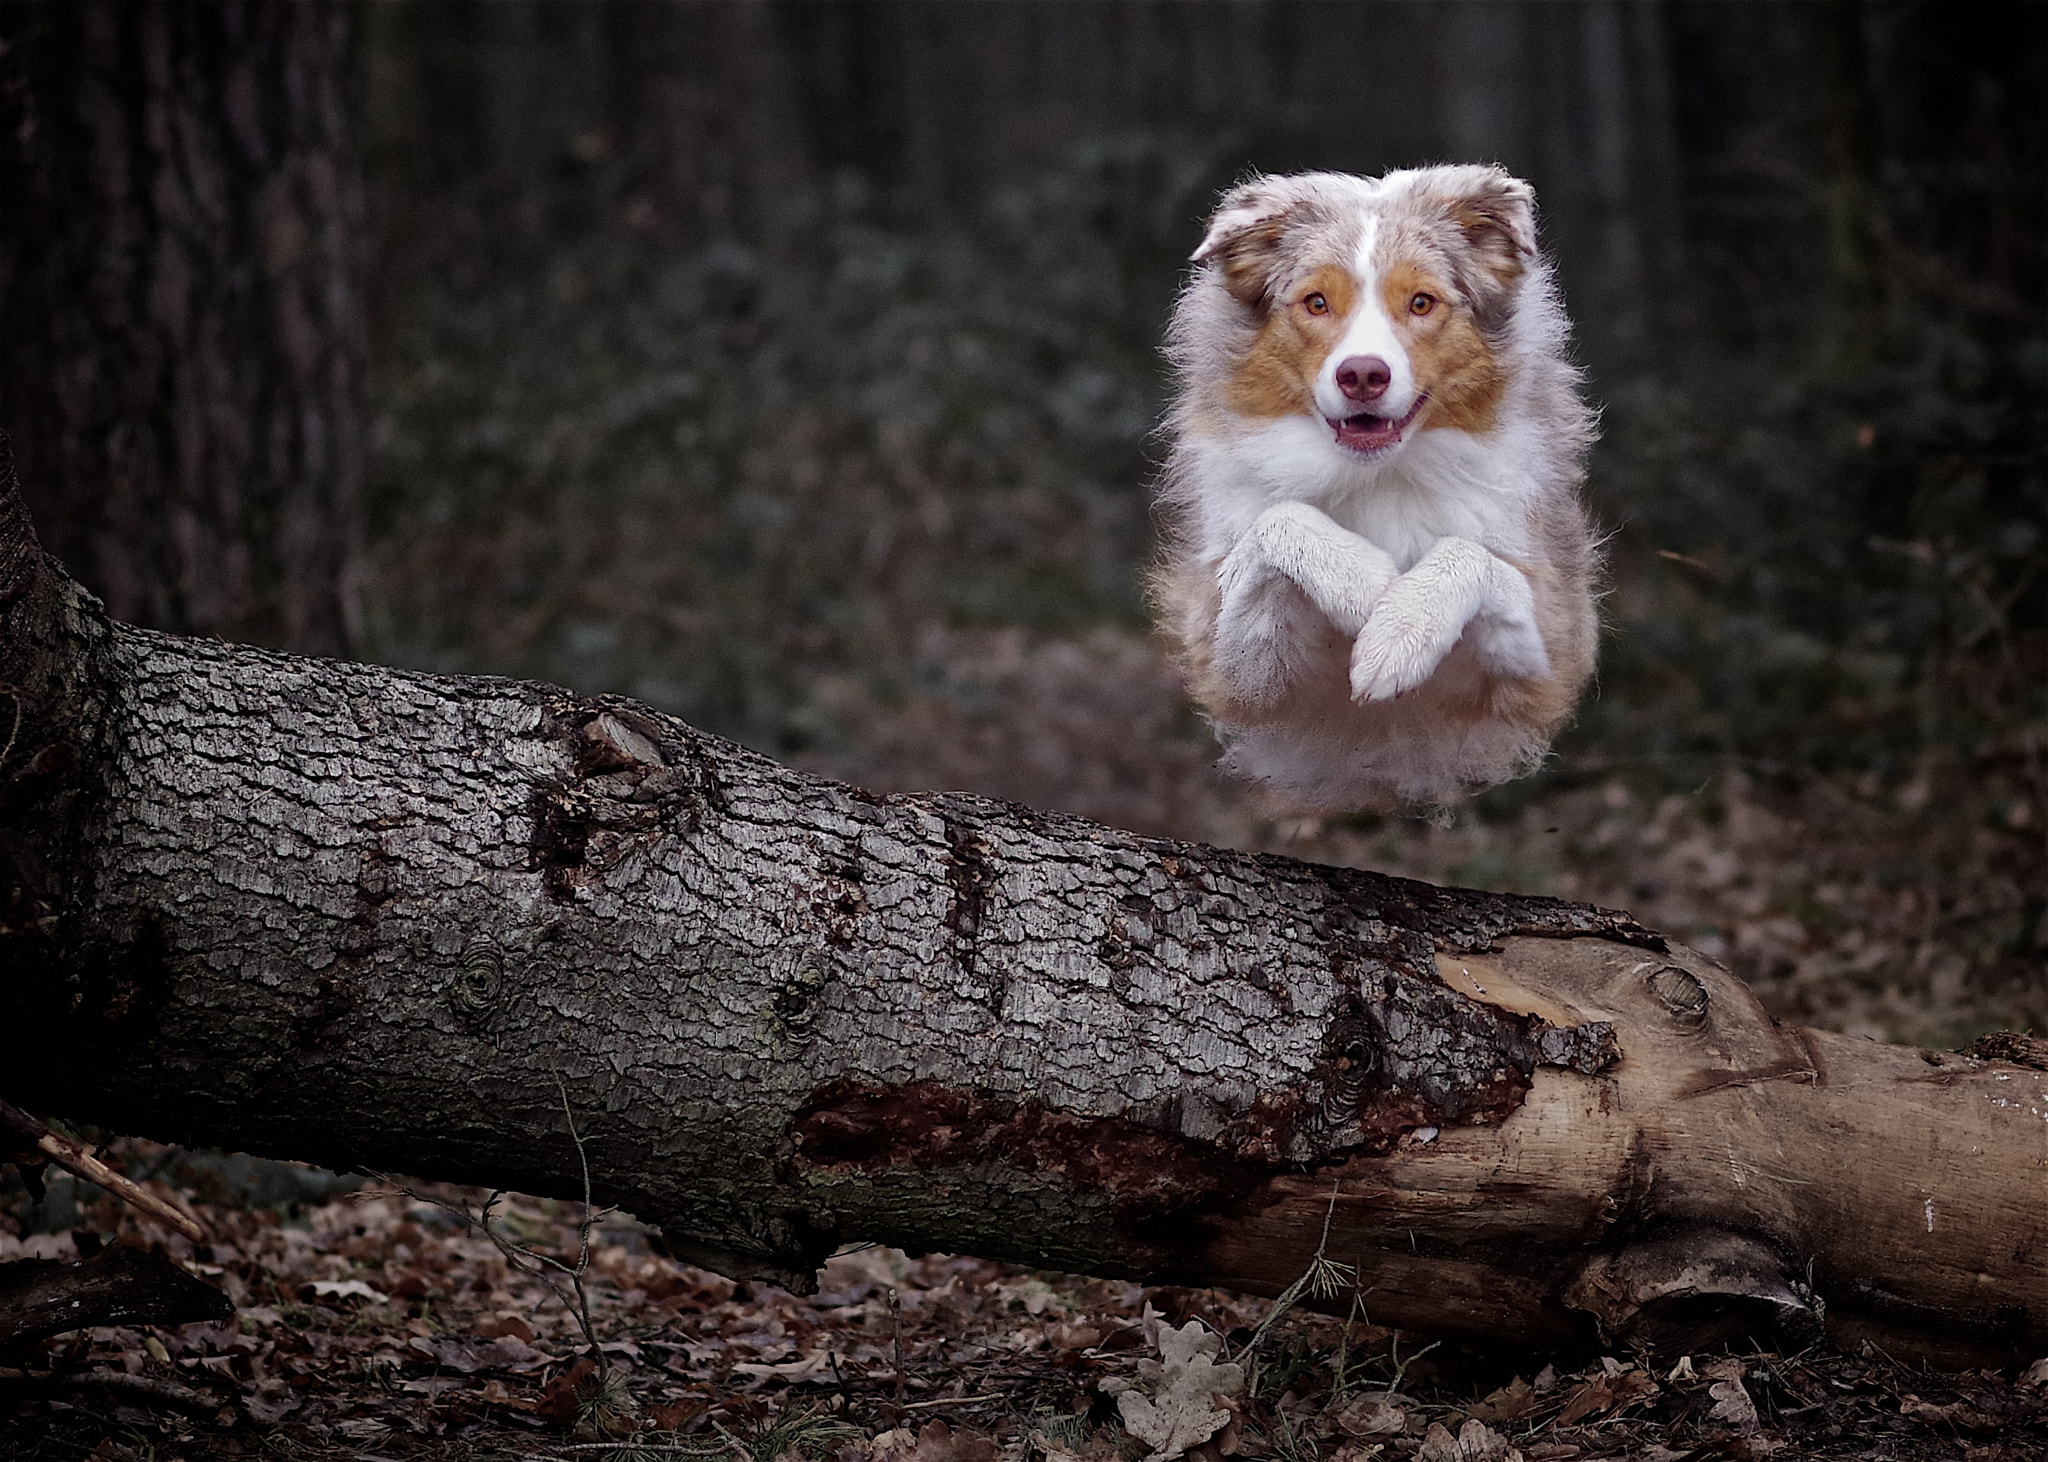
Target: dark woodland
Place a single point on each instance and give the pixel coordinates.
(791, 369)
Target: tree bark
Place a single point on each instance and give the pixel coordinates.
(181, 331)
(116, 1286)
(372, 918)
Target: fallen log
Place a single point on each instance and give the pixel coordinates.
(116, 1286)
(366, 917)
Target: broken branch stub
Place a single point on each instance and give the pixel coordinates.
(363, 917)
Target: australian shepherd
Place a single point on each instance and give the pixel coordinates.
(1377, 569)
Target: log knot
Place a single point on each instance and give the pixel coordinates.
(632, 778)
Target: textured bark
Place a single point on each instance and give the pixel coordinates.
(366, 917)
(117, 1286)
(180, 327)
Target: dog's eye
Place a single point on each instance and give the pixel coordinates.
(1421, 304)
(1315, 304)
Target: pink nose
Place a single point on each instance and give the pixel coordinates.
(1364, 378)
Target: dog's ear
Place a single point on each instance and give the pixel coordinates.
(1498, 216)
(1244, 234)
(1495, 216)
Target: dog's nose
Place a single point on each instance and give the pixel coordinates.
(1364, 378)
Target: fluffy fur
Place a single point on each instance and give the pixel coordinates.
(1376, 568)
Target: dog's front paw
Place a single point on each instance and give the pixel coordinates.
(1394, 653)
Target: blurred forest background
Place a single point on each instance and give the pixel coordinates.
(793, 367)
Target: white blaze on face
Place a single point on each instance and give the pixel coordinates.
(1367, 332)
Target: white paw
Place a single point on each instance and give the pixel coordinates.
(1394, 653)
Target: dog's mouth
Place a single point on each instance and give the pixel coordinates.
(1368, 433)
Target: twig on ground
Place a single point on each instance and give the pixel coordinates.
(140, 1388)
(564, 1281)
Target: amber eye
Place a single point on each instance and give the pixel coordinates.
(1421, 304)
(1315, 304)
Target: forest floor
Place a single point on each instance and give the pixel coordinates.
(383, 1323)
(375, 1324)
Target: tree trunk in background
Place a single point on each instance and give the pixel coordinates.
(366, 917)
(181, 340)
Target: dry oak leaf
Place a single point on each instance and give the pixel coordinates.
(344, 1289)
(1182, 1411)
(935, 1442)
(1588, 1399)
(1507, 1403)
(1475, 1442)
(1732, 1405)
(1359, 1417)
(1956, 1413)
(467, 1357)
(562, 1401)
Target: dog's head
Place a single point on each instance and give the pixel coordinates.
(1380, 306)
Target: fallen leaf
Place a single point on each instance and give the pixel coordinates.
(808, 1364)
(270, 1403)
(1590, 1399)
(511, 1327)
(1632, 1386)
(349, 1289)
(1359, 1417)
(1475, 1442)
(559, 1399)
(1507, 1403)
(1181, 1412)
(1732, 1405)
(495, 1394)
(1956, 1413)
(938, 1442)
(668, 1418)
(470, 1356)
(892, 1446)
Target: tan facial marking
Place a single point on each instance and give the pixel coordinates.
(1278, 374)
(1452, 360)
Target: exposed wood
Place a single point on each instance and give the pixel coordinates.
(35, 1137)
(366, 917)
